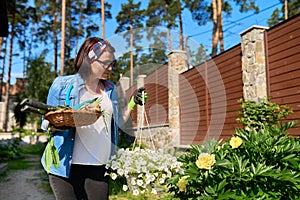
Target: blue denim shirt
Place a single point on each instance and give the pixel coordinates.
(65, 89)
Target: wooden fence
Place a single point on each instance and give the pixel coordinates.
(209, 93)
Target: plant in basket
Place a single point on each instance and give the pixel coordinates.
(143, 169)
(83, 114)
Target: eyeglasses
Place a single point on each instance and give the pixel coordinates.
(113, 64)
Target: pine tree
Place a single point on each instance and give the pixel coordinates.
(18, 13)
(130, 19)
(278, 15)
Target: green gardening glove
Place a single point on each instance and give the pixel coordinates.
(139, 97)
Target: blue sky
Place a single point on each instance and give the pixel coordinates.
(233, 26)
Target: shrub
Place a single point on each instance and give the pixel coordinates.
(259, 161)
(9, 149)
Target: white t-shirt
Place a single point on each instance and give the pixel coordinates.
(93, 143)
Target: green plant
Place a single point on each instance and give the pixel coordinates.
(9, 149)
(36, 149)
(259, 161)
(262, 113)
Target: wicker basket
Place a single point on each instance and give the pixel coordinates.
(72, 118)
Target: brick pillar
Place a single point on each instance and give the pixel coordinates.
(254, 63)
(176, 65)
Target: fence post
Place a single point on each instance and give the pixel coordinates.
(177, 63)
(254, 63)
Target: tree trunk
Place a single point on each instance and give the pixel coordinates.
(131, 56)
(170, 39)
(79, 27)
(169, 32)
(63, 25)
(215, 32)
(30, 44)
(103, 18)
(55, 36)
(68, 54)
(286, 9)
(1, 44)
(1, 75)
(7, 88)
(24, 52)
(55, 22)
(220, 21)
(180, 26)
(2, 72)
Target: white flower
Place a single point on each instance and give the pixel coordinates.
(140, 175)
(169, 174)
(114, 176)
(133, 182)
(143, 168)
(135, 192)
(139, 182)
(153, 191)
(161, 180)
(125, 188)
(120, 172)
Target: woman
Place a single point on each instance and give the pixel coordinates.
(84, 151)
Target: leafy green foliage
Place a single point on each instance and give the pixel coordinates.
(262, 114)
(9, 148)
(131, 15)
(264, 166)
(40, 78)
(278, 14)
(35, 149)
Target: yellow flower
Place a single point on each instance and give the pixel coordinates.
(182, 183)
(205, 161)
(235, 142)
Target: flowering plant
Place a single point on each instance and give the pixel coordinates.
(143, 169)
(255, 163)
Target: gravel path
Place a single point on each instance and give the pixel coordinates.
(25, 184)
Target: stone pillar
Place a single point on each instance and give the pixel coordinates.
(124, 85)
(140, 118)
(176, 65)
(254, 63)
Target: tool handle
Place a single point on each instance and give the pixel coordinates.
(36, 104)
